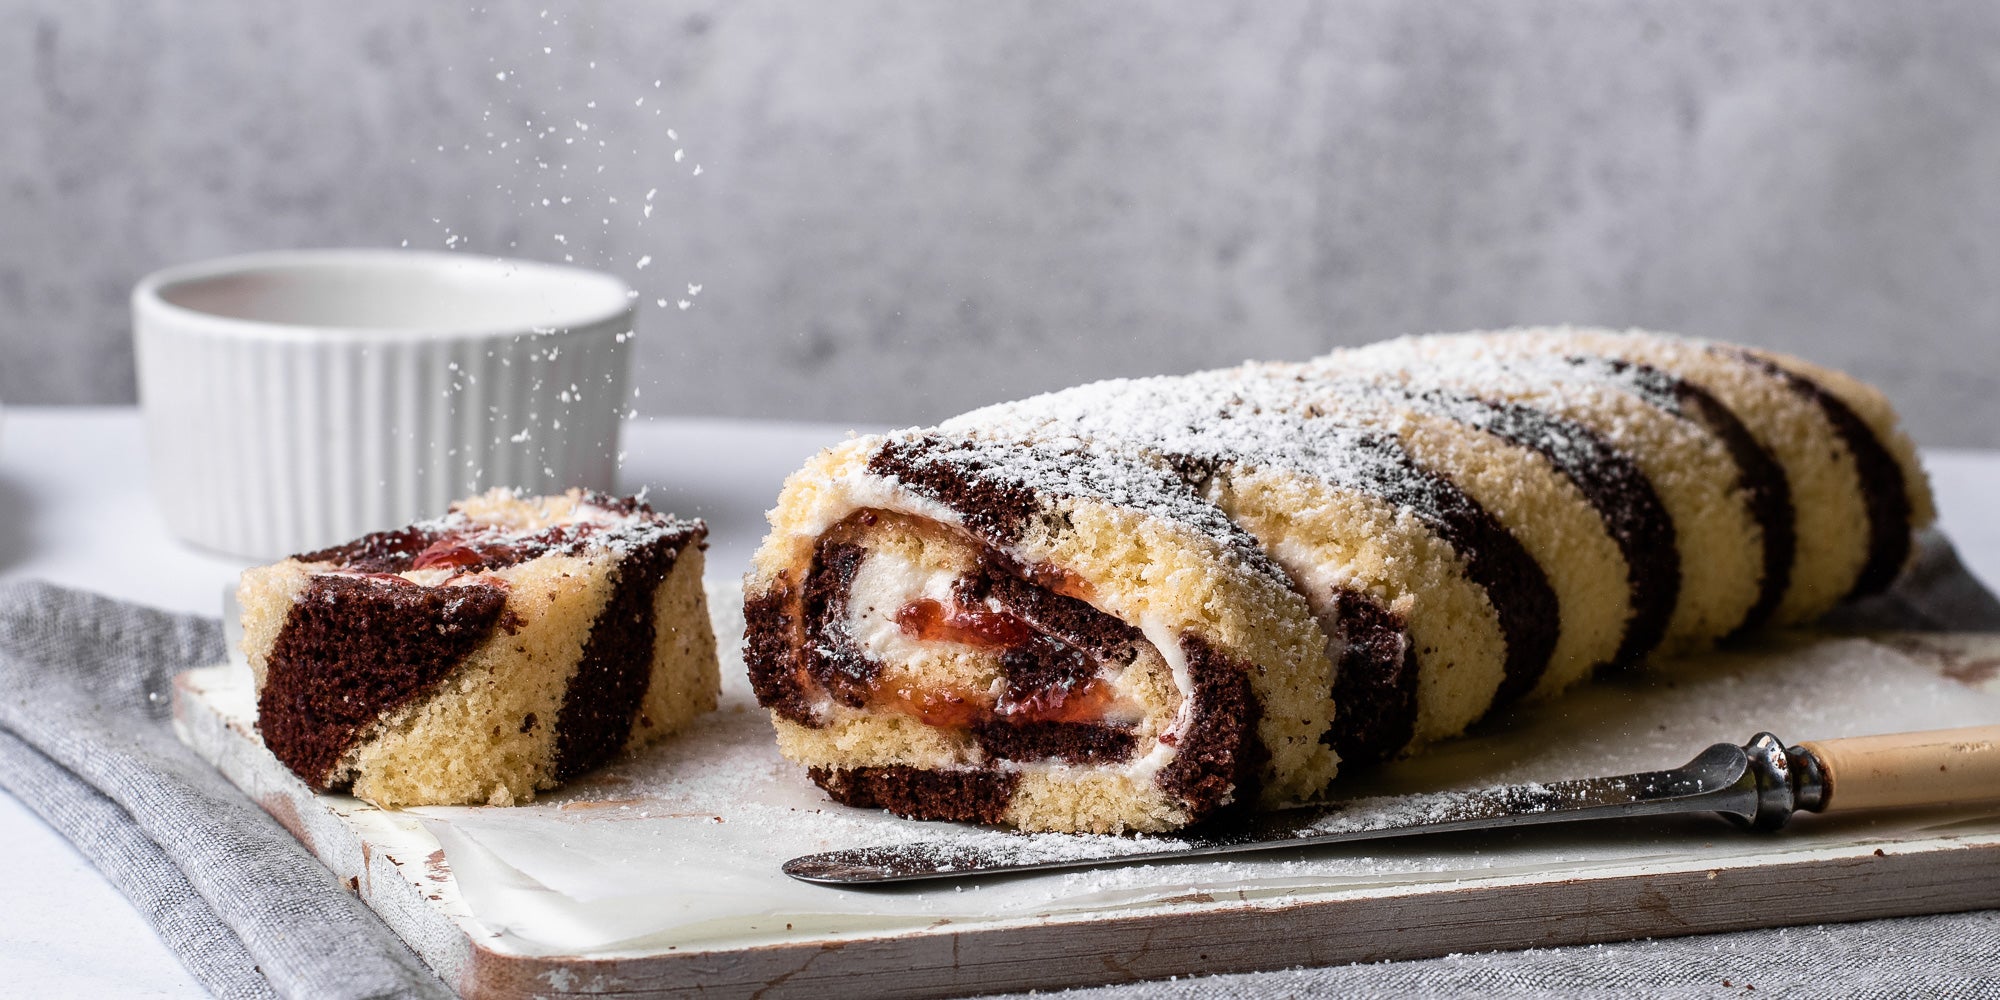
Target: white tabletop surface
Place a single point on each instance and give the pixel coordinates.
(75, 510)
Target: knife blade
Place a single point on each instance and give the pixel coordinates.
(1759, 785)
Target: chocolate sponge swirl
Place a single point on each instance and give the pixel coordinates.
(1132, 604)
(483, 656)
(934, 606)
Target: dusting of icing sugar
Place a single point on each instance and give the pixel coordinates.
(1051, 466)
(501, 528)
(1439, 812)
(1263, 417)
(1519, 365)
(1526, 799)
(1337, 418)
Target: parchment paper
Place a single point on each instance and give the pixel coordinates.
(680, 846)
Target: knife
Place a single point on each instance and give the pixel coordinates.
(1759, 785)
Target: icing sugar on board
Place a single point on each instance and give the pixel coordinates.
(658, 876)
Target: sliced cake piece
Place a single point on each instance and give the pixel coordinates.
(497, 651)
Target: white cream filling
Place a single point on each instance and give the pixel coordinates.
(433, 577)
(881, 587)
(1167, 642)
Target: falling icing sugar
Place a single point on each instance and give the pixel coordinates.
(582, 155)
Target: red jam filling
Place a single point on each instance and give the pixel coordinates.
(954, 710)
(1066, 700)
(928, 621)
(1066, 703)
(494, 549)
(447, 553)
(939, 709)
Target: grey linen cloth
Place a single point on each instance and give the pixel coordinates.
(85, 742)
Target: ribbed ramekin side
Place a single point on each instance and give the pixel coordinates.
(264, 447)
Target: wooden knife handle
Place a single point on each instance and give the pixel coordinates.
(1939, 767)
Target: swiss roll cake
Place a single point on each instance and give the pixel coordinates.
(1131, 604)
(502, 649)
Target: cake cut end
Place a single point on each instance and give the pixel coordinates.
(483, 656)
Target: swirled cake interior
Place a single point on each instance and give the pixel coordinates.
(913, 620)
(502, 649)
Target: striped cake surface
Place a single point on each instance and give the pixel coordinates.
(1133, 603)
(479, 657)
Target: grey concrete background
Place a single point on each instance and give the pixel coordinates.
(905, 209)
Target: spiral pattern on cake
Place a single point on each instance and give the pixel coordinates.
(1131, 604)
(502, 649)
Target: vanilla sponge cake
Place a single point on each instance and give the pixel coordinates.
(500, 650)
(1849, 474)
(1459, 520)
(1663, 424)
(1547, 484)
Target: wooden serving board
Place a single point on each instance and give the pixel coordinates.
(658, 877)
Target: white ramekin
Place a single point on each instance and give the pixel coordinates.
(297, 399)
